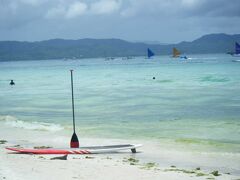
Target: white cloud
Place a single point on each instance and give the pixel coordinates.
(13, 6)
(162, 7)
(190, 3)
(128, 12)
(105, 6)
(20, 17)
(150, 7)
(56, 12)
(181, 8)
(76, 9)
(71, 11)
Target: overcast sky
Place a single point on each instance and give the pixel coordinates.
(166, 21)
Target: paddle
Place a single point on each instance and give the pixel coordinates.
(74, 141)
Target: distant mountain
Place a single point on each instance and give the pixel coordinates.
(152, 42)
(90, 48)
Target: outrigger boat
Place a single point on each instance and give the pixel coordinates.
(237, 50)
(177, 54)
(150, 53)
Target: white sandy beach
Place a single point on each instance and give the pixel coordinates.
(104, 166)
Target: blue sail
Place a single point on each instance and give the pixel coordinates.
(237, 48)
(150, 53)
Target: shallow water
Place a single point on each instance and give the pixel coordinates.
(190, 102)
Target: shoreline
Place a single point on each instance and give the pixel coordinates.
(152, 161)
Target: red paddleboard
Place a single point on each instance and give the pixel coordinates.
(82, 150)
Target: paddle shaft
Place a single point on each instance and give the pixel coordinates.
(72, 101)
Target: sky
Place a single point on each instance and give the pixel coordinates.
(164, 21)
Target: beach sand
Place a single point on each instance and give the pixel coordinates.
(117, 166)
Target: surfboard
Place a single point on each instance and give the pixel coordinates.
(81, 150)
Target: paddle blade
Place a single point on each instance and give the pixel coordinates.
(74, 141)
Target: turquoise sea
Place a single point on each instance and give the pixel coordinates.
(193, 102)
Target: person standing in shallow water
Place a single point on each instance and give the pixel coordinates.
(12, 83)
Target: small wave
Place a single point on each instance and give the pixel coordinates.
(206, 58)
(238, 60)
(41, 126)
(211, 78)
(165, 81)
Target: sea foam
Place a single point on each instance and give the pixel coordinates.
(41, 126)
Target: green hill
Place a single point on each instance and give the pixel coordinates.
(90, 48)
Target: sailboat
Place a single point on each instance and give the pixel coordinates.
(177, 54)
(237, 50)
(150, 53)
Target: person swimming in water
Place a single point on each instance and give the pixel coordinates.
(12, 83)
